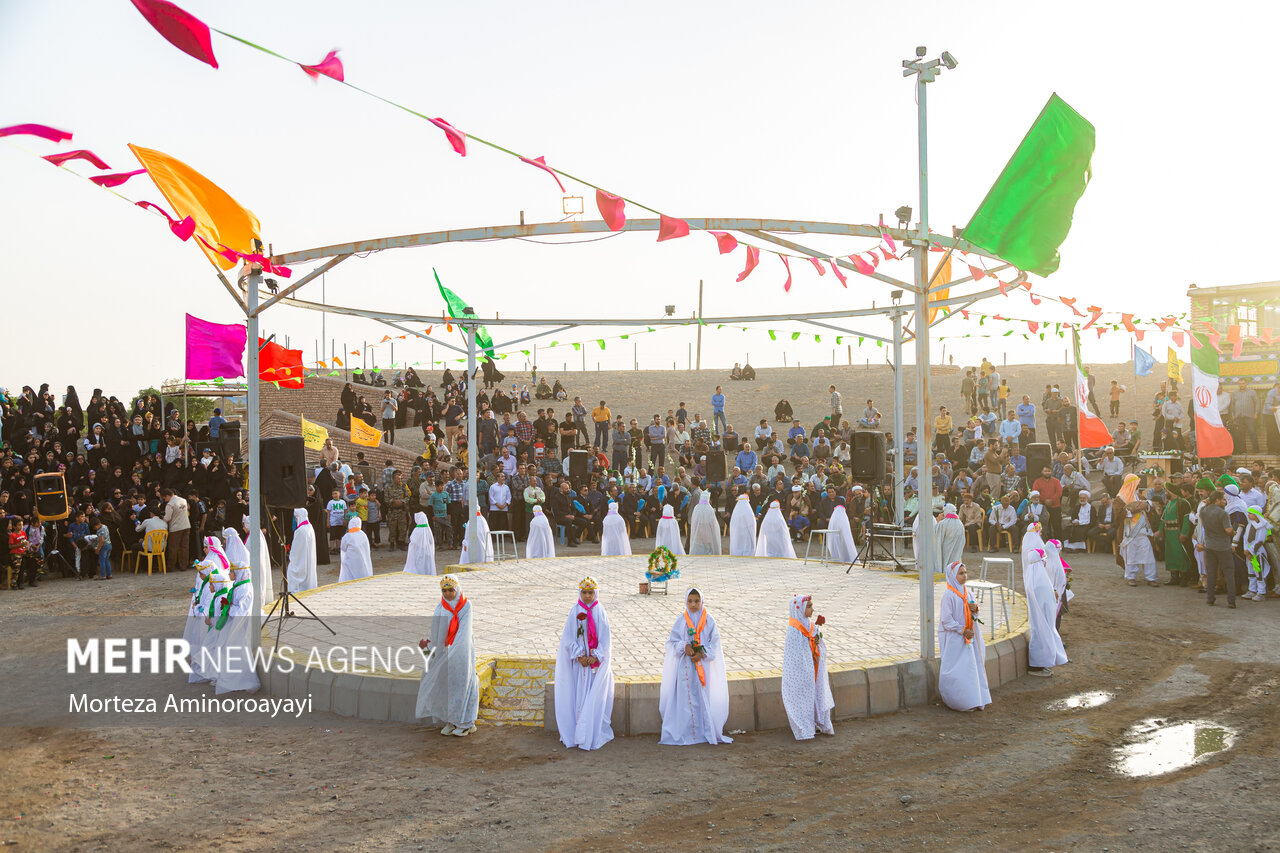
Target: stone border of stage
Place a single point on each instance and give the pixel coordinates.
(755, 697)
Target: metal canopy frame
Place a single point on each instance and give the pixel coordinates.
(919, 240)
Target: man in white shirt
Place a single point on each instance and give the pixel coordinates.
(1010, 429)
(500, 504)
(1172, 411)
(1004, 517)
(508, 461)
(870, 417)
(1112, 471)
(764, 435)
(837, 411)
(177, 553)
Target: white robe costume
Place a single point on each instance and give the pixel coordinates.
(915, 535)
(541, 542)
(301, 574)
(234, 549)
(354, 550)
(486, 546)
(948, 536)
(614, 541)
(704, 528)
(1044, 646)
(584, 695)
(774, 539)
(693, 712)
(268, 585)
(840, 545)
(1136, 547)
(668, 533)
(450, 689)
(806, 694)
(420, 559)
(211, 575)
(1057, 570)
(962, 674)
(742, 529)
(1257, 561)
(230, 647)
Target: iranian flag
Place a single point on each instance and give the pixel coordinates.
(1212, 439)
(1093, 432)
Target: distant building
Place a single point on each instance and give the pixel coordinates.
(1253, 312)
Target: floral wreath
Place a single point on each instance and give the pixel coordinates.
(662, 566)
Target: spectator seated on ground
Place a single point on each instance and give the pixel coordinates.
(782, 412)
(358, 377)
(748, 372)
(544, 390)
(736, 374)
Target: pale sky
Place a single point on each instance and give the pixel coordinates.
(754, 109)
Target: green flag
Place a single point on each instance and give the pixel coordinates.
(1027, 212)
(455, 304)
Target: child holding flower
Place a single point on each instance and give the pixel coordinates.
(806, 689)
(694, 702)
(584, 677)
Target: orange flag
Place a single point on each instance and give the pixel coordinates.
(364, 435)
(218, 217)
(941, 276)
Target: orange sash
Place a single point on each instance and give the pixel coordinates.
(968, 611)
(697, 640)
(454, 610)
(813, 643)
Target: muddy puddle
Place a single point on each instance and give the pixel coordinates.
(1155, 747)
(1079, 701)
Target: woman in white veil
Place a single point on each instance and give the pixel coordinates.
(704, 528)
(541, 542)
(962, 673)
(420, 559)
(584, 674)
(742, 528)
(268, 585)
(302, 555)
(774, 539)
(840, 545)
(614, 541)
(354, 557)
(694, 700)
(482, 537)
(806, 689)
(234, 548)
(1044, 646)
(668, 534)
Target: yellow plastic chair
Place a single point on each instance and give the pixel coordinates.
(152, 548)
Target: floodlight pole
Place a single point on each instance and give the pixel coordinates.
(255, 469)
(474, 549)
(899, 473)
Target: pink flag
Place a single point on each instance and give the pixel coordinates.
(1070, 303)
(1035, 300)
(457, 138)
(836, 269)
(817, 265)
(978, 273)
(884, 235)
(861, 266)
(786, 263)
(79, 154)
(330, 66)
(612, 210)
(214, 349)
(669, 228)
(1139, 334)
(1126, 320)
(753, 261)
(726, 241)
(41, 130)
(183, 30)
(116, 179)
(181, 229)
(541, 163)
(1033, 326)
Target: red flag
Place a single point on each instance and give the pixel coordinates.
(457, 138)
(753, 261)
(330, 66)
(280, 365)
(1070, 303)
(725, 241)
(1033, 326)
(861, 266)
(182, 229)
(669, 228)
(79, 154)
(115, 180)
(180, 28)
(786, 263)
(1095, 311)
(1126, 320)
(41, 130)
(835, 268)
(978, 273)
(612, 210)
(541, 163)
(817, 265)
(1177, 338)
(887, 237)
(1140, 334)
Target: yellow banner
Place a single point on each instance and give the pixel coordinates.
(1175, 365)
(313, 435)
(363, 434)
(941, 276)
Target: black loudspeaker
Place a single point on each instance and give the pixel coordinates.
(716, 470)
(229, 437)
(51, 497)
(867, 461)
(284, 472)
(579, 462)
(1038, 456)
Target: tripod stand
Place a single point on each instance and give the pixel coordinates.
(893, 534)
(280, 609)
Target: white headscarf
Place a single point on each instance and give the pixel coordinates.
(962, 673)
(679, 676)
(1044, 646)
(302, 555)
(774, 539)
(227, 647)
(584, 695)
(742, 528)
(1235, 503)
(614, 541)
(354, 550)
(704, 528)
(420, 559)
(668, 534)
(486, 547)
(234, 549)
(840, 544)
(806, 694)
(541, 542)
(264, 557)
(449, 691)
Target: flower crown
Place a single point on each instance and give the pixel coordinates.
(448, 582)
(587, 583)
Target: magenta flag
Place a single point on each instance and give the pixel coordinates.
(215, 349)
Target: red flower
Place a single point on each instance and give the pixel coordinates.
(582, 617)
(422, 644)
(821, 620)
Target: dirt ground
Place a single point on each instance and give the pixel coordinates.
(1016, 776)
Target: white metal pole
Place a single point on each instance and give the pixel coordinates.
(924, 456)
(473, 499)
(899, 434)
(255, 497)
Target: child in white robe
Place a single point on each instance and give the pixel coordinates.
(668, 533)
(211, 574)
(356, 563)
(806, 688)
(742, 529)
(483, 545)
(584, 673)
(301, 575)
(840, 545)
(449, 692)
(1135, 547)
(420, 557)
(614, 541)
(694, 700)
(230, 632)
(1044, 645)
(1255, 553)
(541, 542)
(774, 539)
(962, 673)
(704, 528)
(268, 585)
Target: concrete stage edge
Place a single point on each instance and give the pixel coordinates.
(520, 607)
